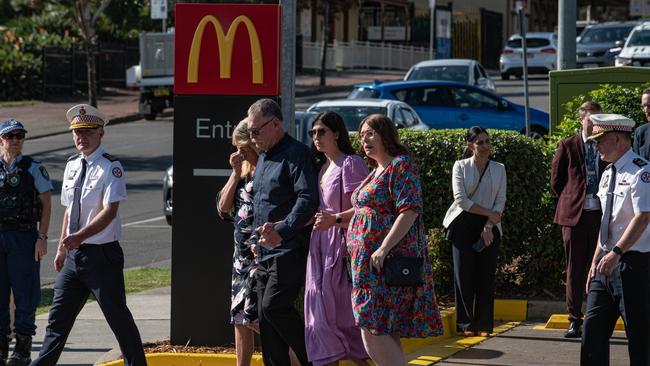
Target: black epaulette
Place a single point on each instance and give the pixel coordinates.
(640, 162)
(26, 162)
(110, 157)
(73, 157)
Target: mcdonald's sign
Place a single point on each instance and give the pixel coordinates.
(227, 49)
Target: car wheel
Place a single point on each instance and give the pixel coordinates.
(168, 218)
(537, 132)
(505, 76)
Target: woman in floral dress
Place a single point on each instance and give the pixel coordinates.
(330, 332)
(236, 201)
(388, 219)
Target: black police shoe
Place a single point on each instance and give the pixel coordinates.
(22, 350)
(574, 330)
(4, 349)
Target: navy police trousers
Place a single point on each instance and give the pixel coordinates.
(96, 269)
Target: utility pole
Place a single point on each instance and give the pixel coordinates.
(288, 68)
(520, 5)
(432, 6)
(567, 35)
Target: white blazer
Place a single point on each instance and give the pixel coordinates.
(464, 180)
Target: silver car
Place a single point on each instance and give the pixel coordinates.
(596, 46)
(354, 111)
(459, 70)
(541, 54)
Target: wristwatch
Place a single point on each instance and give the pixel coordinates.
(339, 219)
(617, 250)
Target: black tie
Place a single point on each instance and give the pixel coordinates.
(607, 214)
(75, 210)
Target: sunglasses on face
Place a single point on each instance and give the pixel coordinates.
(255, 131)
(17, 136)
(482, 142)
(317, 132)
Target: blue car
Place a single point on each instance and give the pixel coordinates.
(443, 104)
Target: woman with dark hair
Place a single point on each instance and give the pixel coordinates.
(473, 225)
(387, 225)
(330, 332)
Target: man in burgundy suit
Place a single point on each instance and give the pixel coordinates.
(576, 172)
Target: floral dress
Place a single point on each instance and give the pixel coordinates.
(243, 308)
(379, 308)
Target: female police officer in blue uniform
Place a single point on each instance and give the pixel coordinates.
(25, 200)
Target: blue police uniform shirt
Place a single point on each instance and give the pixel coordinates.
(37, 170)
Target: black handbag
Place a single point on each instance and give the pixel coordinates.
(403, 271)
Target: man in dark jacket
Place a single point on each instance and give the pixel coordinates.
(576, 172)
(285, 200)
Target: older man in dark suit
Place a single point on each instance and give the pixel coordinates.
(641, 144)
(576, 172)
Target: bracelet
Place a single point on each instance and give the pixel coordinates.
(42, 236)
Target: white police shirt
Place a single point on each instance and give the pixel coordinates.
(104, 183)
(631, 196)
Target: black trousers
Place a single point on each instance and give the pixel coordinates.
(579, 247)
(97, 269)
(474, 274)
(280, 280)
(626, 292)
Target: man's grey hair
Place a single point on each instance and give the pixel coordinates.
(266, 108)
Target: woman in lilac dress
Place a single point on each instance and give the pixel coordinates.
(330, 333)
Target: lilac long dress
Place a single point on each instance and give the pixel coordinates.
(330, 333)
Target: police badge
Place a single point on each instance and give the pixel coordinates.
(13, 180)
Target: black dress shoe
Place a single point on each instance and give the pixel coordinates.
(574, 330)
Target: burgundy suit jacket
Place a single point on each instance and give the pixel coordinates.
(568, 179)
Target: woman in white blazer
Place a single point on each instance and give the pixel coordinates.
(473, 224)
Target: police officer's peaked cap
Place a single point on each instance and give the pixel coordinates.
(85, 116)
(11, 125)
(604, 123)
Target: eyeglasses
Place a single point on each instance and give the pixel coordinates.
(256, 130)
(17, 136)
(482, 142)
(367, 135)
(317, 132)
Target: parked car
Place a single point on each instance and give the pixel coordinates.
(460, 70)
(168, 184)
(596, 46)
(580, 27)
(541, 54)
(447, 104)
(636, 50)
(354, 111)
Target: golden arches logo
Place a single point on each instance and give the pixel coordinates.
(225, 44)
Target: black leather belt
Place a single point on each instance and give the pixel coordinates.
(17, 227)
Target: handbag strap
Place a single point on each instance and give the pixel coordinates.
(479, 179)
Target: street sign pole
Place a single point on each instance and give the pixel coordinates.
(524, 56)
(432, 6)
(288, 67)
(567, 35)
(159, 11)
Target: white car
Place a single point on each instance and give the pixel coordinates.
(354, 111)
(459, 70)
(541, 54)
(636, 51)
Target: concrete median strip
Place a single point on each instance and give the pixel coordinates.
(561, 321)
(425, 351)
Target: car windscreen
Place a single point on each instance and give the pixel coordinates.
(639, 38)
(352, 115)
(530, 42)
(604, 34)
(442, 73)
(359, 93)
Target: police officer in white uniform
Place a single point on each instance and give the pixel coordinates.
(89, 257)
(619, 278)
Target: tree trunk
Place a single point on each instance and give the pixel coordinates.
(323, 61)
(92, 73)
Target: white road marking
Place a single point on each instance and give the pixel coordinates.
(144, 221)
